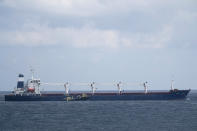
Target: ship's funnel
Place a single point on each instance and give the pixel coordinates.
(20, 83)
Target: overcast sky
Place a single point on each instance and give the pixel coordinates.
(99, 40)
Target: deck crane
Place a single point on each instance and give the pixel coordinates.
(93, 84)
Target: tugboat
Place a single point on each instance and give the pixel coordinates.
(30, 91)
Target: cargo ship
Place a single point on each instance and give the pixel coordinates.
(30, 91)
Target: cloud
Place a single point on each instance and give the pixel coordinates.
(148, 26)
(184, 26)
(158, 39)
(85, 37)
(44, 35)
(81, 7)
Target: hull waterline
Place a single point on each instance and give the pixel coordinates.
(171, 95)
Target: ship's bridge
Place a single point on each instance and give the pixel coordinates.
(35, 81)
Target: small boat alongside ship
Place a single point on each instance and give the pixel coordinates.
(30, 91)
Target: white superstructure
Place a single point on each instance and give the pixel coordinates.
(32, 86)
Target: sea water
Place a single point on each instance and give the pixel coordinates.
(172, 115)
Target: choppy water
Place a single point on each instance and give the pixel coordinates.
(177, 115)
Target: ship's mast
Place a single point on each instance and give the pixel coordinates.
(32, 73)
(172, 85)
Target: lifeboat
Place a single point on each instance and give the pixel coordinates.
(32, 90)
